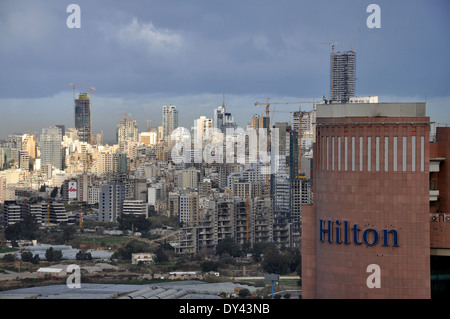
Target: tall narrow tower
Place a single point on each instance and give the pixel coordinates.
(169, 119)
(83, 118)
(342, 76)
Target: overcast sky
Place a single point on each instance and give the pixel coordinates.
(141, 55)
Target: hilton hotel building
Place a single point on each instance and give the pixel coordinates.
(379, 225)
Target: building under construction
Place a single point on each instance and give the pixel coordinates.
(83, 118)
(343, 73)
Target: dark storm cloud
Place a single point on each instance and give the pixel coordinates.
(145, 52)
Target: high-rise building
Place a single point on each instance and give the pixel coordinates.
(223, 119)
(127, 130)
(260, 122)
(2, 189)
(371, 205)
(111, 198)
(343, 72)
(50, 147)
(83, 118)
(169, 119)
(201, 125)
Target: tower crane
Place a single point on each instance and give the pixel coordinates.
(332, 65)
(267, 104)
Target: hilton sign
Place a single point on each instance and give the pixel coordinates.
(341, 232)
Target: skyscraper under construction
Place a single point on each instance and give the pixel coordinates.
(342, 76)
(83, 118)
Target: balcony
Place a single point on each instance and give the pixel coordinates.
(434, 191)
(434, 195)
(434, 163)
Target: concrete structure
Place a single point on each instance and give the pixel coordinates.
(82, 116)
(135, 207)
(440, 213)
(50, 147)
(127, 130)
(223, 119)
(111, 199)
(371, 203)
(343, 75)
(147, 258)
(169, 119)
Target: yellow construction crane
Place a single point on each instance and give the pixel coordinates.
(332, 65)
(356, 39)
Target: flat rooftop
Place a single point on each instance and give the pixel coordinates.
(404, 109)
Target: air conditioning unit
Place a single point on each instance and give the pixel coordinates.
(434, 217)
(447, 218)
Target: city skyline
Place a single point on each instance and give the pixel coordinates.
(151, 54)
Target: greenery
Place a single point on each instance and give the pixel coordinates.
(53, 254)
(134, 246)
(26, 229)
(133, 222)
(228, 246)
(26, 256)
(82, 255)
(9, 258)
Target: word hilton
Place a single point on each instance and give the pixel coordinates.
(340, 232)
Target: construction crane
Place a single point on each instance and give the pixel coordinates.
(91, 88)
(356, 39)
(267, 104)
(332, 65)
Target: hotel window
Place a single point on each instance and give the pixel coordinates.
(413, 153)
(323, 153)
(339, 153)
(346, 153)
(377, 153)
(404, 154)
(332, 153)
(353, 153)
(422, 153)
(328, 152)
(369, 153)
(394, 148)
(386, 153)
(361, 140)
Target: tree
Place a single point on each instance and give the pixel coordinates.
(25, 229)
(275, 262)
(67, 232)
(26, 256)
(54, 192)
(53, 255)
(35, 260)
(82, 255)
(134, 246)
(133, 222)
(244, 293)
(228, 246)
(258, 250)
(9, 257)
(161, 255)
(209, 265)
